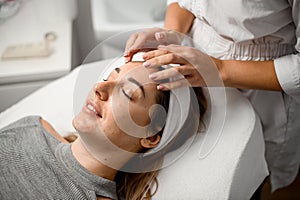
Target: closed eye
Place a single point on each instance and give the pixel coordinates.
(129, 97)
(123, 91)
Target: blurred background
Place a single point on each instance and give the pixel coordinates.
(42, 40)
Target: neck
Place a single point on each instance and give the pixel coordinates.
(93, 165)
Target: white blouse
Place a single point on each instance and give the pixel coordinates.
(260, 30)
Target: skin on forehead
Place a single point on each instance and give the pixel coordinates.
(134, 69)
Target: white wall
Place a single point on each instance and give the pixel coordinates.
(85, 35)
(83, 32)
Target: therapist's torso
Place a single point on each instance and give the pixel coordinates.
(257, 30)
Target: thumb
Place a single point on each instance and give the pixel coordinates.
(168, 37)
(161, 37)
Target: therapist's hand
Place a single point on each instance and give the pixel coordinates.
(149, 39)
(194, 68)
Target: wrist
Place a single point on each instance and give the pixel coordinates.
(220, 67)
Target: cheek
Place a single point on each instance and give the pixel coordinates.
(129, 112)
(118, 137)
(109, 125)
(139, 114)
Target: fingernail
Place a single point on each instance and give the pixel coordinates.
(160, 87)
(146, 64)
(159, 35)
(145, 56)
(153, 76)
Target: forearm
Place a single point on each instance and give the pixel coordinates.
(178, 19)
(249, 74)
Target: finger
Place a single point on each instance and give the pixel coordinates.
(161, 37)
(174, 84)
(171, 47)
(149, 38)
(144, 40)
(129, 56)
(165, 74)
(138, 42)
(168, 37)
(164, 59)
(175, 72)
(154, 53)
(190, 81)
(129, 43)
(192, 55)
(142, 43)
(182, 51)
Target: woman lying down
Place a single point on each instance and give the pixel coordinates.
(114, 156)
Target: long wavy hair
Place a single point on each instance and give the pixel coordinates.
(137, 186)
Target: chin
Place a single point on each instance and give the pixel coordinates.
(84, 124)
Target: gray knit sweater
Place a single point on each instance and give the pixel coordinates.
(35, 165)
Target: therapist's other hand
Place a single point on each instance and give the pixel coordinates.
(194, 68)
(149, 39)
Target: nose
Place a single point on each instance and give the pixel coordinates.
(103, 90)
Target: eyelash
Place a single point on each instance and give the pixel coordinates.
(123, 91)
(129, 97)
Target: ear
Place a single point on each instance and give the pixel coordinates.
(150, 142)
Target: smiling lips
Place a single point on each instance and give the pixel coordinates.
(92, 108)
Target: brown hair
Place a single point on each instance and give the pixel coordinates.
(136, 186)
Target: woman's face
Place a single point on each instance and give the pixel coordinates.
(127, 92)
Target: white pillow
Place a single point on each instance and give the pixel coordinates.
(220, 165)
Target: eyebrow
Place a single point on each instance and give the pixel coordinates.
(138, 84)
